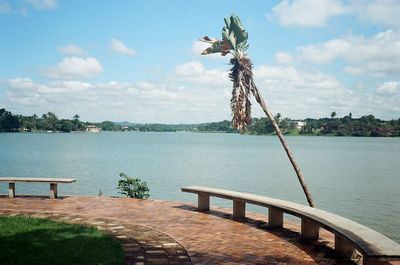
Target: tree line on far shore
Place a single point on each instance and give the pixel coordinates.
(366, 125)
(48, 122)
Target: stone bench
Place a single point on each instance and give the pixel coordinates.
(349, 235)
(52, 181)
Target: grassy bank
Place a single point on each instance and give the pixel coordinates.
(31, 241)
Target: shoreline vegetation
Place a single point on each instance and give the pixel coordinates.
(365, 126)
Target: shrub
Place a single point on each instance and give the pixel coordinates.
(133, 187)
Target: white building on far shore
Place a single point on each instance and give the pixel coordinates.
(93, 129)
(299, 124)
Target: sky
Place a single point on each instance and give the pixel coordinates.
(140, 61)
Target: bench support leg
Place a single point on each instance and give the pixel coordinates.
(239, 210)
(203, 202)
(275, 217)
(344, 247)
(53, 190)
(11, 190)
(309, 229)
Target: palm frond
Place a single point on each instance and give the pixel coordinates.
(234, 38)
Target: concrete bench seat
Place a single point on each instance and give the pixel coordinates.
(349, 235)
(52, 181)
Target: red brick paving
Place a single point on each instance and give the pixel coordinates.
(209, 238)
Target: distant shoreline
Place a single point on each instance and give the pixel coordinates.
(200, 132)
(365, 126)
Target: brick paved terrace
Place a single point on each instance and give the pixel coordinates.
(163, 232)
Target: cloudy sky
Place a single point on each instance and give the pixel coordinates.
(139, 60)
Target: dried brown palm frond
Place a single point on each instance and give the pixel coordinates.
(241, 77)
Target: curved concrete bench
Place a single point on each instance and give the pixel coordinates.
(349, 235)
(52, 181)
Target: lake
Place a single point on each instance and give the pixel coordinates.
(354, 177)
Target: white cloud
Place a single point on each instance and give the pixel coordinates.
(21, 83)
(74, 67)
(300, 94)
(27, 84)
(195, 73)
(385, 100)
(316, 13)
(72, 50)
(283, 58)
(22, 7)
(307, 13)
(136, 102)
(391, 87)
(353, 70)
(383, 45)
(378, 55)
(190, 68)
(383, 12)
(288, 90)
(194, 93)
(43, 4)
(25, 92)
(120, 47)
(325, 52)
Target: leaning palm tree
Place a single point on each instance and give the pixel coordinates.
(234, 41)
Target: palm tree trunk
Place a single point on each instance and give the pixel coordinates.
(296, 168)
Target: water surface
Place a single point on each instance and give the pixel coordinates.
(354, 177)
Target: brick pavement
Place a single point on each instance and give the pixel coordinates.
(208, 238)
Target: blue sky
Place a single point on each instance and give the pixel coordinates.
(139, 60)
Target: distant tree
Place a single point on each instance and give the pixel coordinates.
(260, 126)
(34, 119)
(278, 117)
(65, 125)
(25, 122)
(310, 126)
(284, 125)
(369, 120)
(222, 126)
(76, 121)
(50, 121)
(8, 121)
(333, 115)
(108, 126)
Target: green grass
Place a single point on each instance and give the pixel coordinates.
(30, 241)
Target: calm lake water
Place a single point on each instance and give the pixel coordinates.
(354, 177)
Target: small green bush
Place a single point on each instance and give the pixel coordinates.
(133, 187)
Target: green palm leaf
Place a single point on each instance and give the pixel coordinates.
(234, 38)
